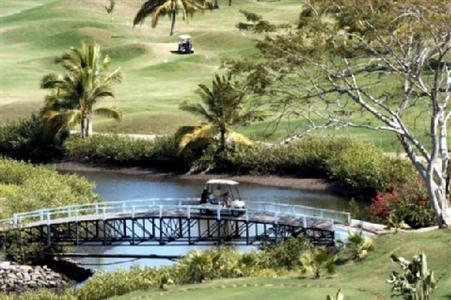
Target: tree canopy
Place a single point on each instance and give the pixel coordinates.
(373, 64)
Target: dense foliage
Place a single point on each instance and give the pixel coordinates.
(25, 187)
(161, 152)
(404, 204)
(24, 139)
(195, 267)
(361, 166)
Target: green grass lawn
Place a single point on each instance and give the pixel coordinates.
(34, 32)
(362, 280)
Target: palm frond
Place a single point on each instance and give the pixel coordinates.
(203, 131)
(148, 8)
(109, 112)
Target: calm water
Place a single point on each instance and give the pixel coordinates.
(118, 187)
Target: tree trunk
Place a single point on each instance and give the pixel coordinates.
(174, 16)
(439, 203)
(82, 127)
(230, 2)
(88, 125)
(216, 4)
(222, 139)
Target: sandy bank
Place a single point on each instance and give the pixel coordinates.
(309, 184)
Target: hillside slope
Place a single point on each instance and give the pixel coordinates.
(33, 32)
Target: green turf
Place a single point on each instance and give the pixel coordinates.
(363, 280)
(34, 32)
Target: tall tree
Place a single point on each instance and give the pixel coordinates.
(74, 94)
(369, 64)
(222, 106)
(157, 8)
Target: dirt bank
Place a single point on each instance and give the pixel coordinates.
(309, 184)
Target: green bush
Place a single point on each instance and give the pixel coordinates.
(24, 139)
(286, 254)
(25, 187)
(161, 152)
(366, 169)
(361, 166)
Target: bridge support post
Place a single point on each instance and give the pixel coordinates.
(161, 231)
(133, 231)
(105, 234)
(247, 233)
(219, 231)
(49, 235)
(77, 233)
(189, 232)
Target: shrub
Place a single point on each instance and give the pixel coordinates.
(25, 187)
(407, 203)
(316, 260)
(359, 245)
(285, 254)
(161, 152)
(24, 139)
(366, 169)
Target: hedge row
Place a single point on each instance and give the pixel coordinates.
(113, 149)
(359, 165)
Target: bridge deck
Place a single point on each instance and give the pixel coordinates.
(262, 218)
(165, 221)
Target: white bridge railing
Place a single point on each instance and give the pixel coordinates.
(103, 210)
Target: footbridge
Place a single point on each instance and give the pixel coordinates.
(171, 221)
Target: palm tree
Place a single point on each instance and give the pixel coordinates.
(221, 106)
(315, 260)
(157, 8)
(74, 94)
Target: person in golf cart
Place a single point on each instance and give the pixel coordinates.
(222, 192)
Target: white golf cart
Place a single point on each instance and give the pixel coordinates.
(223, 193)
(185, 44)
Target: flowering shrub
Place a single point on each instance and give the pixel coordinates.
(406, 203)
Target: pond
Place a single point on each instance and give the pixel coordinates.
(119, 187)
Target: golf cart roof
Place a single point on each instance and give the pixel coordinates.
(222, 181)
(184, 37)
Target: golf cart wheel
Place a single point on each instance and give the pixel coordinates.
(236, 213)
(204, 211)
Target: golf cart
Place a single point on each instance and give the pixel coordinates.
(185, 44)
(223, 193)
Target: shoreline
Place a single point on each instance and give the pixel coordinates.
(306, 184)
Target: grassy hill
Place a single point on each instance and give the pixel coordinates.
(33, 32)
(362, 280)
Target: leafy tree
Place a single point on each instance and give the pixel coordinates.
(375, 65)
(416, 282)
(255, 23)
(157, 8)
(74, 94)
(222, 106)
(316, 260)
